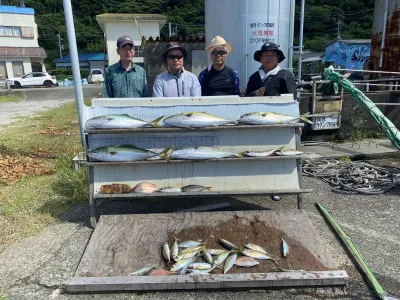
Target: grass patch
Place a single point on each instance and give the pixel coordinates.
(10, 98)
(36, 201)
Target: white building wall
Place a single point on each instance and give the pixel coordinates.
(22, 20)
(26, 64)
(114, 30)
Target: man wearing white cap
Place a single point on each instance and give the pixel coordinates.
(218, 79)
(125, 79)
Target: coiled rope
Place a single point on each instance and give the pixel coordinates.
(353, 177)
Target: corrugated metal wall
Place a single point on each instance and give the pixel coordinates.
(391, 49)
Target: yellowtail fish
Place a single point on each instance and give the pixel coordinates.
(174, 250)
(200, 266)
(196, 119)
(142, 272)
(256, 247)
(123, 121)
(285, 248)
(221, 258)
(197, 153)
(246, 262)
(255, 254)
(215, 251)
(269, 118)
(120, 153)
(190, 244)
(183, 263)
(161, 272)
(195, 188)
(230, 261)
(288, 152)
(207, 257)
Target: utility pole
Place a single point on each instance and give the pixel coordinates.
(338, 36)
(169, 26)
(60, 43)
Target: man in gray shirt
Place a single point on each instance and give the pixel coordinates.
(125, 79)
(176, 81)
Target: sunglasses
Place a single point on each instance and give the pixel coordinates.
(175, 56)
(219, 53)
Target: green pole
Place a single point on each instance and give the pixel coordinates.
(355, 254)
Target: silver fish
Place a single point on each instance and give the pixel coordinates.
(190, 244)
(174, 250)
(170, 189)
(221, 258)
(215, 251)
(142, 271)
(207, 257)
(119, 122)
(183, 263)
(166, 252)
(288, 152)
(230, 261)
(191, 249)
(246, 262)
(195, 188)
(192, 254)
(285, 248)
(120, 153)
(196, 119)
(260, 153)
(256, 247)
(228, 245)
(200, 266)
(197, 153)
(269, 118)
(255, 254)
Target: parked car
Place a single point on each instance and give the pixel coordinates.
(96, 76)
(33, 79)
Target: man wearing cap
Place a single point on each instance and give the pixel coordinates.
(270, 76)
(125, 79)
(218, 79)
(176, 81)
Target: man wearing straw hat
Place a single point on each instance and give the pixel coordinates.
(176, 81)
(270, 79)
(218, 79)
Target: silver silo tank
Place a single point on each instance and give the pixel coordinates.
(247, 24)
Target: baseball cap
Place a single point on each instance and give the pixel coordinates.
(123, 40)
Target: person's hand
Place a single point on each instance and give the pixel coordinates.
(346, 75)
(260, 92)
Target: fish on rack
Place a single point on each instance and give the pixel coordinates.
(270, 118)
(116, 188)
(288, 152)
(145, 187)
(121, 121)
(196, 153)
(261, 153)
(196, 120)
(121, 153)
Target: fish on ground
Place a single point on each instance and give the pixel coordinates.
(246, 262)
(270, 118)
(228, 245)
(256, 247)
(166, 252)
(284, 248)
(145, 187)
(196, 153)
(142, 272)
(119, 121)
(230, 261)
(120, 153)
(196, 120)
(195, 188)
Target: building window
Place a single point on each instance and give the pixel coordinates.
(10, 31)
(138, 51)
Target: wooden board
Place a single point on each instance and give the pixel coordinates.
(122, 244)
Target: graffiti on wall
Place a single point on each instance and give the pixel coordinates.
(349, 56)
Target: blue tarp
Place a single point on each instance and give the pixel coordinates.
(348, 55)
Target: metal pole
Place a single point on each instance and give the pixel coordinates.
(169, 27)
(383, 34)
(291, 34)
(301, 40)
(73, 50)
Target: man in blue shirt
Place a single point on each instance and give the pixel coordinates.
(125, 79)
(176, 81)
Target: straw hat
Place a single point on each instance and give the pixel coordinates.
(219, 41)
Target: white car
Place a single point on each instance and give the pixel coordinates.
(33, 79)
(96, 76)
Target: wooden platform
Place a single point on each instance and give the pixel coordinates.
(122, 244)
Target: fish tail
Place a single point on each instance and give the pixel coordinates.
(164, 154)
(208, 188)
(155, 122)
(240, 154)
(305, 119)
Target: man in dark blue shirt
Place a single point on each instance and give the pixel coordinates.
(218, 79)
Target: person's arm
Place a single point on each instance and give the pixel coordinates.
(158, 88)
(107, 88)
(236, 89)
(252, 86)
(201, 80)
(195, 90)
